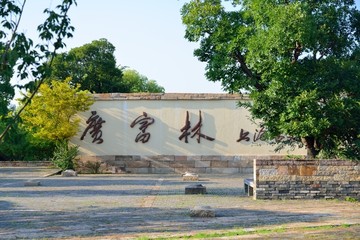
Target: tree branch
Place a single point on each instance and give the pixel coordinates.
(297, 52)
(63, 26)
(13, 35)
(240, 58)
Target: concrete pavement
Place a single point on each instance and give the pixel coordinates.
(128, 205)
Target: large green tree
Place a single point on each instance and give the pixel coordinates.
(299, 60)
(93, 66)
(140, 83)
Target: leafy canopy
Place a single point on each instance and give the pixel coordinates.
(51, 115)
(92, 65)
(140, 83)
(299, 60)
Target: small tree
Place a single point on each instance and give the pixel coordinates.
(51, 115)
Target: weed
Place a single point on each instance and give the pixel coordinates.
(351, 199)
(93, 167)
(325, 227)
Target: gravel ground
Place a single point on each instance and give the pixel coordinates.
(128, 205)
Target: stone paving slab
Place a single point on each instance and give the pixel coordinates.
(128, 205)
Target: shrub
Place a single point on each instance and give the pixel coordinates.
(93, 167)
(64, 155)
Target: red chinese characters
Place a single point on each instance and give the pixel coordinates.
(187, 130)
(144, 121)
(94, 125)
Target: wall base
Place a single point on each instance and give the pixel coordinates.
(169, 164)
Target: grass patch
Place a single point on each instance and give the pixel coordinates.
(242, 232)
(202, 235)
(327, 227)
(238, 232)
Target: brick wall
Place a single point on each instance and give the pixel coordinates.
(306, 179)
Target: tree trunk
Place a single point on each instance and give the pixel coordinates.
(310, 145)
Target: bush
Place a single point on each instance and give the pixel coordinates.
(19, 145)
(64, 155)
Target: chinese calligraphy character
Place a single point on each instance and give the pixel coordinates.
(144, 122)
(258, 134)
(196, 130)
(185, 129)
(243, 136)
(95, 124)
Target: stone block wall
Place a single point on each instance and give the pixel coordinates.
(306, 179)
(170, 164)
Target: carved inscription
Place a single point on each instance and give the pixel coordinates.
(94, 125)
(195, 131)
(144, 121)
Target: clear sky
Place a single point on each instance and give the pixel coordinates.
(148, 36)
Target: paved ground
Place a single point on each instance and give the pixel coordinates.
(126, 206)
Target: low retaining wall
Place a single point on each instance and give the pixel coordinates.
(169, 164)
(306, 179)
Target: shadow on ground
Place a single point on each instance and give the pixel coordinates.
(25, 223)
(99, 205)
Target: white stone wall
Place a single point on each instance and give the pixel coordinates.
(222, 120)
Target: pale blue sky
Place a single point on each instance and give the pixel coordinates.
(148, 36)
